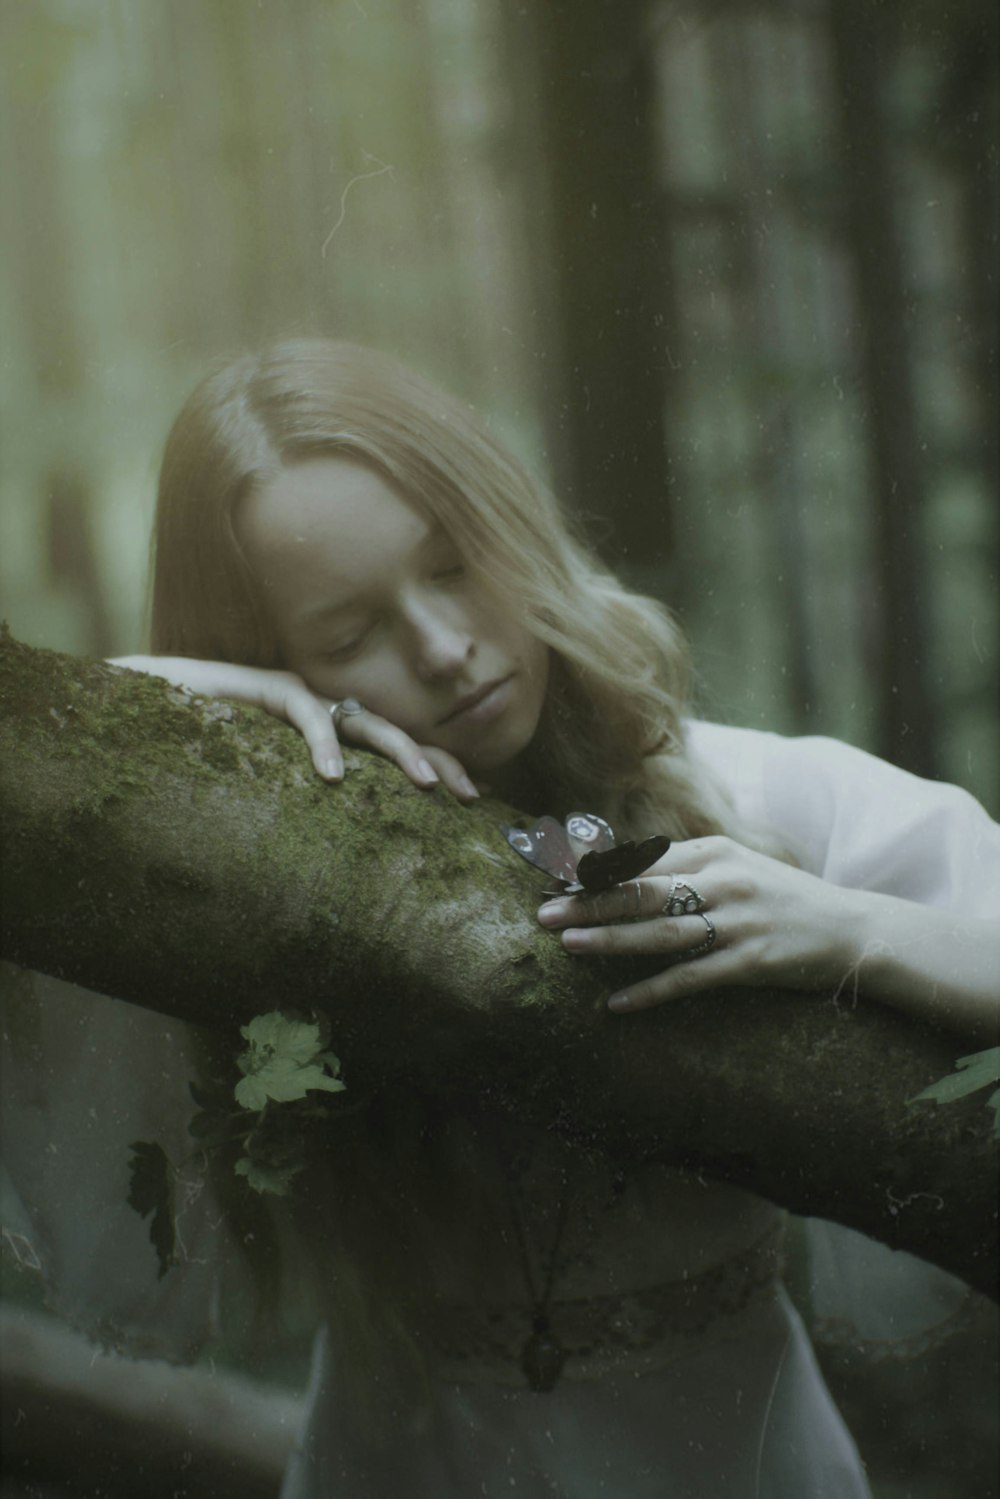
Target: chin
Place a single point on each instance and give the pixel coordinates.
(501, 752)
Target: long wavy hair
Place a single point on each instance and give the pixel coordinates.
(611, 736)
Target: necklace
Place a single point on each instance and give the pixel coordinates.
(542, 1356)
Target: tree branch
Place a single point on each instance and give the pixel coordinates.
(182, 854)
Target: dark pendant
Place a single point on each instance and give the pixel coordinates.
(542, 1358)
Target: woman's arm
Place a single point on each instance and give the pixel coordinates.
(938, 965)
(287, 696)
(779, 926)
(896, 893)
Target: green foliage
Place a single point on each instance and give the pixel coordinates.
(981, 1069)
(151, 1192)
(284, 1061)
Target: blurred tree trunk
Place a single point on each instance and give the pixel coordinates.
(47, 262)
(73, 561)
(591, 87)
(184, 855)
(762, 258)
(862, 55)
(970, 108)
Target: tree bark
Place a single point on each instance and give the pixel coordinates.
(181, 854)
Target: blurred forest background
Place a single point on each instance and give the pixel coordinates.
(725, 270)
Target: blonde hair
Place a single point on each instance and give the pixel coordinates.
(610, 739)
(611, 736)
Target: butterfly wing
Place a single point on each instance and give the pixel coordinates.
(612, 866)
(547, 846)
(587, 834)
(583, 855)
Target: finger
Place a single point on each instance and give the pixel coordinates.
(312, 719)
(672, 935)
(713, 971)
(628, 902)
(452, 773)
(394, 744)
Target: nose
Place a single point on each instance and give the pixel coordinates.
(442, 645)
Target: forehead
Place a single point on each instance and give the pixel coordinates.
(331, 516)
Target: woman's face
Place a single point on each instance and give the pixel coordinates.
(371, 600)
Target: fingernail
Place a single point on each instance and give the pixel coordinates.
(618, 1003)
(466, 787)
(426, 771)
(332, 769)
(552, 912)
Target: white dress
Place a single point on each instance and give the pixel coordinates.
(688, 1373)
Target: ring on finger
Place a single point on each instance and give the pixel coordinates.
(348, 707)
(709, 942)
(690, 903)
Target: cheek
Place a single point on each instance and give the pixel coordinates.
(373, 683)
(537, 658)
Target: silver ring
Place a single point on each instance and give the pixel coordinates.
(348, 707)
(703, 947)
(676, 904)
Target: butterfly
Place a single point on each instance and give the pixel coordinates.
(582, 853)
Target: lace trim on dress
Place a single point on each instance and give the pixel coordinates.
(633, 1331)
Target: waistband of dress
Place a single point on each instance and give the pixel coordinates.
(630, 1332)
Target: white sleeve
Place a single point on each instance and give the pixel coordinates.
(856, 820)
(861, 823)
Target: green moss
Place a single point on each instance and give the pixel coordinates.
(219, 752)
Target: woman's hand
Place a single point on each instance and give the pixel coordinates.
(773, 924)
(286, 696)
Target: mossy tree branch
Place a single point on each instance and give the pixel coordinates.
(181, 854)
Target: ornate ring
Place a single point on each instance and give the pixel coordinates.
(677, 904)
(349, 707)
(707, 945)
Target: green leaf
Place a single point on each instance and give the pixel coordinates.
(975, 1071)
(284, 1061)
(151, 1192)
(264, 1177)
(276, 1034)
(981, 1069)
(993, 1102)
(250, 1093)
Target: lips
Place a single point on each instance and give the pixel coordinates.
(472, 700)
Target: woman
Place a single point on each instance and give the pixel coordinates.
(344, 545)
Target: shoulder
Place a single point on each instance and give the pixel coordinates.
(855, 819)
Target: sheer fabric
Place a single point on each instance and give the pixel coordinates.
(83, 1076)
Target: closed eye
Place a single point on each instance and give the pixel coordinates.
(343, 650)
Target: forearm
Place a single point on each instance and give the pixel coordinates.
(936, 965)
(209, 678)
